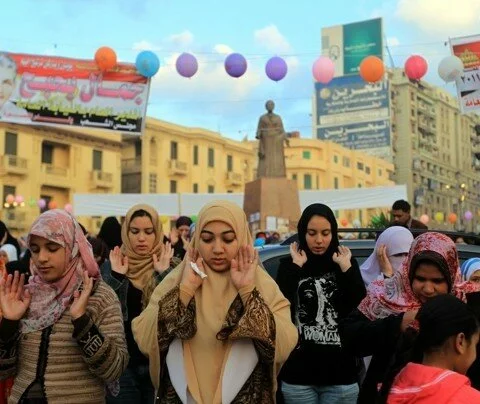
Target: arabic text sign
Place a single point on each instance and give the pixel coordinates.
(48, 90)
(468, 85)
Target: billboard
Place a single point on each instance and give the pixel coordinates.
(50, 90)
(348, 44)
(468, 85)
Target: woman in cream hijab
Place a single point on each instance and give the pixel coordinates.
(220, 338)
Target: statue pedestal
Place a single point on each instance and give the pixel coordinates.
(272, 204)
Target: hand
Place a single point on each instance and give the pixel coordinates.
(185, 243)
(383, 261)
(189, 276)
(14, 299)
(343, 258)
(299, 256)
(163, 263)
(243, 268)
(118, 261)
(408, 318)
(173, 236)
(80, 299)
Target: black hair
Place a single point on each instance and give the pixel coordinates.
(140, 213)
(401, 205)
(99, 248)
(183, 221)
(111, 232)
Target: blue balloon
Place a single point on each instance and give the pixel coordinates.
(147, 63)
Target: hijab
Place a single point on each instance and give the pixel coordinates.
(398, 240)
(395, 295)
(51, 299)
(140, 267)
(11, 252)
(111, 232)
(469, 267)
(10, 239)
(212, 302)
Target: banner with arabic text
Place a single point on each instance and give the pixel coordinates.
(51, 90)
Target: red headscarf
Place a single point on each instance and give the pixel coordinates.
(395, 295)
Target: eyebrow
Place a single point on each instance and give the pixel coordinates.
(223, 232)
(325, 229)
(138, 228)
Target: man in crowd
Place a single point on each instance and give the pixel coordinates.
(401, 216)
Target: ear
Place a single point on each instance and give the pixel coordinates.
(461, 343)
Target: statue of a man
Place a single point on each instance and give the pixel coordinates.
(271, 135)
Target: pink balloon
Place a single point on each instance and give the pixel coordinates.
(68, 208)
(42, 203)
(19, 199)
(323, 69)
(424, 219)
(9, 198)
(416, 67)
(468, 215)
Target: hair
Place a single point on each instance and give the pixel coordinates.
(140, 213)
(440, 318)
(99, 249)
(401, 205)
(183, 221)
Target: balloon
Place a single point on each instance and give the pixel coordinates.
(42, 203)
(424, 219)
(9, 198)
(439, 217)
(147, 63)
(276, 68)
(19, 199)
(372, 69)
(323, 69)
(344, 222)
(235, 65)
(52, 205)
(468, 215)
(452, 218)
(193, 218)
(164, 219)
(68, 208)
(32, 202)
(416, 67)
(450, 68)
(106, 58)
(186, 65)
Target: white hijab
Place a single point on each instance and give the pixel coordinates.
(398, 240)
(11, 252)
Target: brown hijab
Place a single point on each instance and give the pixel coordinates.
(140, 267)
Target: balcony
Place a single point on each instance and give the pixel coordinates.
(55, 176)
(101, 179)
(13, 165)
(177, 167)
(14, 219)
(132, 166)
(233, 178)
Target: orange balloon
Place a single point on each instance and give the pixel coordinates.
(106, 58)
(452, 218)
(372, 69)
(52, 205)
(344, 222)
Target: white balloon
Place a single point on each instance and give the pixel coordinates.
(450, 68)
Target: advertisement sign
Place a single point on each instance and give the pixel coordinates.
(50, 90)
(468, 85)
(347, 45)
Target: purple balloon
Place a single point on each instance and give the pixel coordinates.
(235, 65)
(186, 65)
(276, 68)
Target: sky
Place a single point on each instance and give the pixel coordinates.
(211, 29)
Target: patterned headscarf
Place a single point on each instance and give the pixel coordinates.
(469, 267)
(395, 295)
(51, 299)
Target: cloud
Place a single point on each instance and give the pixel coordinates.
(441, 17)
(272, 40)
(223, 49)
(181, 40)
(145, 45)
(393, 41)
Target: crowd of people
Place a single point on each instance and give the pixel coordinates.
(135, 316)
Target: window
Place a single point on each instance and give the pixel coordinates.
(229, 191)
(47, 199)
(211, 157)
(359, 185)
(359, 166)
(335, 159)
(195, 155)
(335, 182)
(173, 186)
(8, 190)
(306, 155)
(307, 181)
(97, 160)
(173, 150)
(47, 153)
(380, 172)
(152, 183)
(367, 170)
(195, 188)
(294, 177)
(11, 143)
(346, 162)
(211, 189)
(229, 163)
(138, 148)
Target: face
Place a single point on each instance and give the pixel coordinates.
(467, 352)
(307, 301)
(396, 260)
(270, 105)
(400, 217)
(428, 282)
(218, 245)
(183, 231)
(475, 277)
(319, 235)
(141, 235)
(4, 255)
(49, 258)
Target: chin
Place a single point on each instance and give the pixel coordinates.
(218, 268)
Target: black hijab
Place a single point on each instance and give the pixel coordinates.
(10, 239)
(324, 261)
(111, 232)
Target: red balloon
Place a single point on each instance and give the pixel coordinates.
(106, 58)
(416, 67)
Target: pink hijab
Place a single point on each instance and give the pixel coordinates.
(395, 295)
(50, 300)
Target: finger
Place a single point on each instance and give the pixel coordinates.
(155, 258)
(251, 253)
(8, 284)
(195, 254)
(234, 265)
(20, 287)
(27, 296)
(76, 295)
(171, 253)
(241, 259)
(16, 279)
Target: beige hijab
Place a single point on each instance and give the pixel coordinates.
(140, 267)
(213, 300)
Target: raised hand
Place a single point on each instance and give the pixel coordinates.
(343, 258)
(185, 243)
(14, 299)
(408, 318)
(299, 257)
(163, 263)
(189, 277)
(80, 298)
(118, 262)
(174, 236)
(243, 267)
(383, 261)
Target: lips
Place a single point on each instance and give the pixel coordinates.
(218, 261)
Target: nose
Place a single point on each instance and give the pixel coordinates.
(319, 239)
(141, 236)
(42, 256)
(217, 247)
(428, 288)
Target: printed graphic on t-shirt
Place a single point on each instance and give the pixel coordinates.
(316, 317)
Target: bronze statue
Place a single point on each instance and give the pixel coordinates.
(271, 135)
